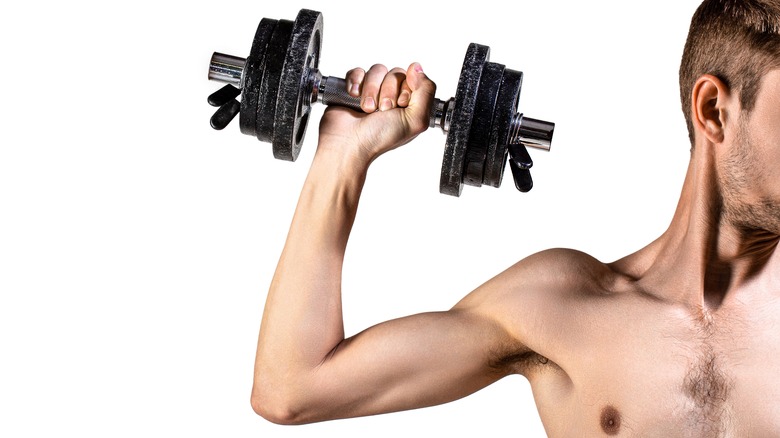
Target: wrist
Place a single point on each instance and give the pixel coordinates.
(333, 171)
(340, 160)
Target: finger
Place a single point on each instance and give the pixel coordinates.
(354, 78)
(421, 98)
(369, 95)
(388, 93)
(405, 95)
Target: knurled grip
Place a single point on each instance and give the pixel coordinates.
(334, 92)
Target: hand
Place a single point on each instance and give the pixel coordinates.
(397, 107)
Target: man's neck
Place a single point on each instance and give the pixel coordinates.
(703, 256)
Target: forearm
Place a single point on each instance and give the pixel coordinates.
(300, 374)
(302, 322)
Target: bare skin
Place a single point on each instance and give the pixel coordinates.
(678, 339)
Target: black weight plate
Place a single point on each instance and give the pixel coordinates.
(505, 110)
(479, 134)
(451, 182)
(270, 86)
(253, 76)
(292, 113)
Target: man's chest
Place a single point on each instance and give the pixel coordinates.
(667, 376)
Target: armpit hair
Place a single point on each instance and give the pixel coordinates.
(519, 362)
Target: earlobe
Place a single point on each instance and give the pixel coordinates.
(708, 113)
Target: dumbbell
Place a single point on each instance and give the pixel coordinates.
(279, 81)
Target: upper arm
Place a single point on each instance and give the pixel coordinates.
(434, 358)
(407, 363)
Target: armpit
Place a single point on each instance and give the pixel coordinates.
(520, 363)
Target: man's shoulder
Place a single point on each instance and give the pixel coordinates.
(564, 257)
(542, 300)
(551, 285)
(551, 277)
(565, 270)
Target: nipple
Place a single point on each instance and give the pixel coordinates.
(610, 420)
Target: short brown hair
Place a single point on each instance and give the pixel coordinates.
(738, 41)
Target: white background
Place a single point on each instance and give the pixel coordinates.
(136, 244)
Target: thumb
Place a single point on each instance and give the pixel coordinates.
(421, 99)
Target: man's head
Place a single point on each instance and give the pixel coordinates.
(730, 90)
(737, 41)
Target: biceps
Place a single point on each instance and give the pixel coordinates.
(418, 361)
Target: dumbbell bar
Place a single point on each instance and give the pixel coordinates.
(280, 81)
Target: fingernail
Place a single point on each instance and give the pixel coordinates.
(418, 68)
(403, 99)
(385, 105)
(369, 104)
(354, 89)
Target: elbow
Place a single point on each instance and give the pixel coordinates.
(276, 407)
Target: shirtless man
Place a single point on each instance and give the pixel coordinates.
(681, 338)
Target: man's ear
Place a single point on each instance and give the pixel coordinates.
(709, 100)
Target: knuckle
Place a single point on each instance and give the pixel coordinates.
(378, 68)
